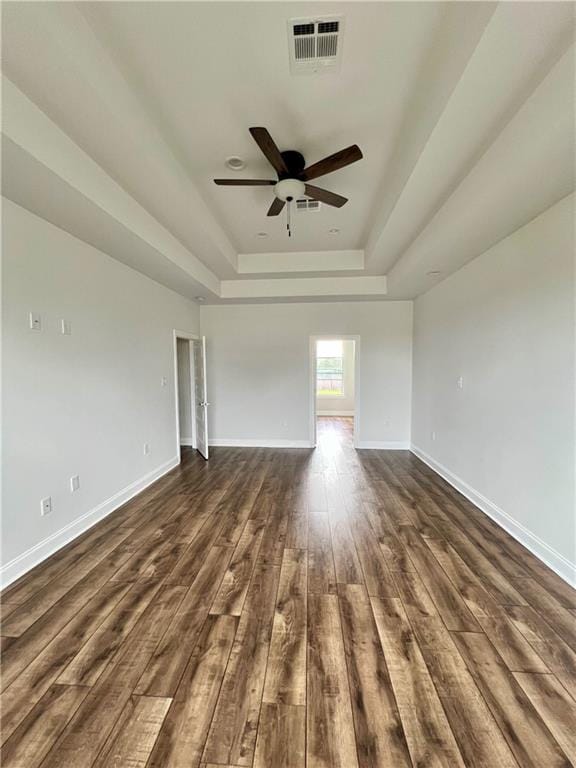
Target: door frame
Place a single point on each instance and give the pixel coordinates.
(312, 380)
(189, 337)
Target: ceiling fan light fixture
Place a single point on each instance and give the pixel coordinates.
(235, 163)
(289, 189)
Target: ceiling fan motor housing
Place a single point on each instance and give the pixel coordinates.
(289, 189)
(294, 162)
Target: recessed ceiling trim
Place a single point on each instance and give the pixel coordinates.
(36, 134)
(287, 287)
(300, 261)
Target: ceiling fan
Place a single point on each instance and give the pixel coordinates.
(293, 176)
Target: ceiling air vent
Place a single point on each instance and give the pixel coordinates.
(303, 204)
(315, 44)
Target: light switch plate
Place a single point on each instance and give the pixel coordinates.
(74, 483)
(65, 327)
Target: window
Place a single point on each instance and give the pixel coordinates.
(329, 369)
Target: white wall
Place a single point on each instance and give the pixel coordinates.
(85, 403)
(341, 405)
(184, 392)
(259, 369)
(505, 323)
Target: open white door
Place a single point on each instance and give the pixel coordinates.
(201, 398)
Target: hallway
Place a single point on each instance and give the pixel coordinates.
(294, 608)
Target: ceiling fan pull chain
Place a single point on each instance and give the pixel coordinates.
(289, 206)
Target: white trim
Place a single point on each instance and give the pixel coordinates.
(543, 551)
(188, 441)
(384, 445)
(259, 443)
(334, 413)
(276, 262)
(49, 546)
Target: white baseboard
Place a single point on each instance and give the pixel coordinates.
(334, 413)
(383, 445)
(44, 549)
(187, 441)
(543, 551)
(249, 443)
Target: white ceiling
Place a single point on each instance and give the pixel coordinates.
(464, 113)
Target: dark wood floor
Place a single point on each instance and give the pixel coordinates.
(291, 608)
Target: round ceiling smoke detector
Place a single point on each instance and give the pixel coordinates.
(289, 189)
(235, 163)
(262, 234)
(333, 231)
(434, 272)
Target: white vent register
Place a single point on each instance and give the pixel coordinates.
(315, 44)
(304, 204)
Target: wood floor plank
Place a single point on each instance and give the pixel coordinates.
(187, 566)
(558, 657)
(232, 735)
(479, 738)
(297, 530)
(377, 577)
(29, 584)
(556, 708)
(240, 507)
(234, 587)
(449, 602)
(274, 537)
(550, 609)
(346, 562)
(281, 737)
(91, 660)
(167, 663)
(135, 733)
(513, 647)
(183, 734)
(30, 611)
(87, 732)
(286, 673)
(380, 736)
(428, 733)
(321, 573)
(28, 646)
(45, 662)
(330, 741)
(31, 741)
(527, 735)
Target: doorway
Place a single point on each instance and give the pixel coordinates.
(190, 393)
(334, 388)
(184, 390)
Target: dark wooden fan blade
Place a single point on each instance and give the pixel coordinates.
(333, 163)
(330, 198)
(244, 182)
(270, 150)
(276, 207)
